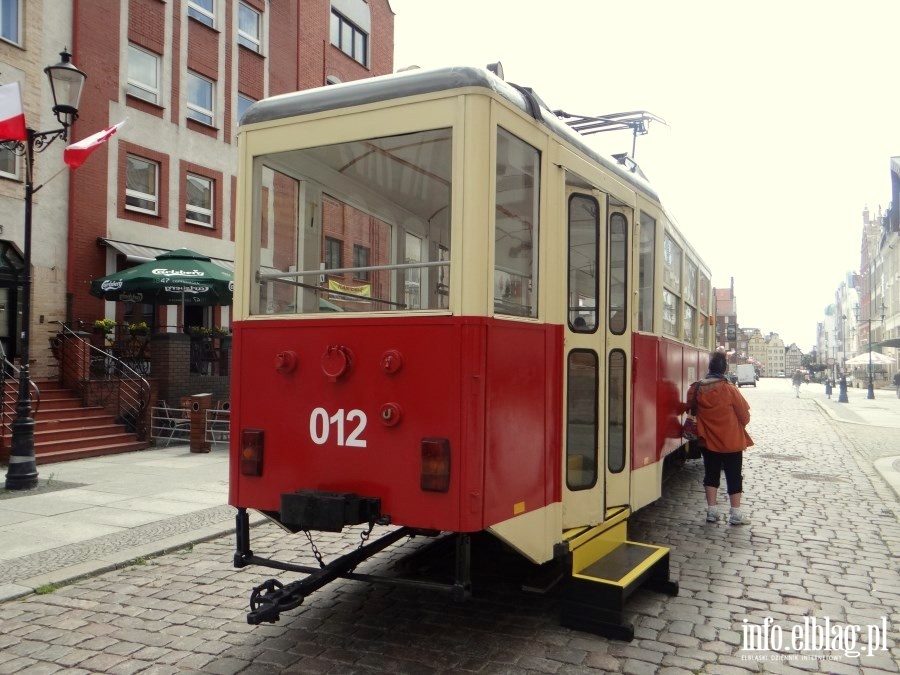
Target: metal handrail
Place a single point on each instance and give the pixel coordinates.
(106, 380)
(9, 398)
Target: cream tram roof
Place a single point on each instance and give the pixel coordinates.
(421, 81)
(425, 81)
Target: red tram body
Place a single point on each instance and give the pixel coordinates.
(507, 353)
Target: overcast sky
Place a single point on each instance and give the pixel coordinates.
(782, 119)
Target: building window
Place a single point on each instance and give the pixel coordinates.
(333, 257)
(243, 103)
(361, 259)
(248, 28)
(349, 38)
(141, 185)
(203, 11)
(199, 191)
(9, 167)
(9, 20)
(200, 99)
(143, 74)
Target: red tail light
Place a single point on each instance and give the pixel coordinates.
(436, 464)
(251, 452)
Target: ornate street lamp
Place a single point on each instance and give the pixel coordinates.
(871, 389)
(66, 83)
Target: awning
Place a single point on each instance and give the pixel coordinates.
(140, 253)
(893, 342)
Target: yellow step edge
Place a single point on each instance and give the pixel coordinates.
(659, 553)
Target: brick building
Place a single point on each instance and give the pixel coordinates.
(181, 72)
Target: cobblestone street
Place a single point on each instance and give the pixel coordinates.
(823, 543)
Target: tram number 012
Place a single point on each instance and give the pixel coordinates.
(321, 425)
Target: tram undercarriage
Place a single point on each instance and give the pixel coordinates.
(597, 570)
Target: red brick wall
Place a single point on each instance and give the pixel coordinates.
(298, 55)
(91, 47)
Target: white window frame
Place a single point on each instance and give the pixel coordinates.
(15, 162)
(135, 87)
(4, 29)
(197, 209)
(196, 111)
(251, 42)
(137, 194)
(202, 14)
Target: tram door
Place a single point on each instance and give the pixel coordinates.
(617, 471)
(597, 466)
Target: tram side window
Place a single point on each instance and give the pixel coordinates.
(618, 273)
(615, 421)
(581, 419)
(703, 303)
(690, 300)
(672, 286)
(517, 226)
(584, 214)
(646, 265)
(362, 226)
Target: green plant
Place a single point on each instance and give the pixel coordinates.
(105, 325)
(46, 589)
(221, 331)
(138, 328)
(199, 331)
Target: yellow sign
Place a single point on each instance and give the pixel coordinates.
(364, 290)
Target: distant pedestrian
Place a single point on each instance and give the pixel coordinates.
(796, 381)
(897, 382)
(722, 417)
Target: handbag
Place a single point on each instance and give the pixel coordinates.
(689, 428)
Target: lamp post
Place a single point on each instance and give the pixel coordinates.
(871, 389)
(66, 83)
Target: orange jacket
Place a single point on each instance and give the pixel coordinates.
(722, 415)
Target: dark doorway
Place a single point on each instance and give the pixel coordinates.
(12, 265)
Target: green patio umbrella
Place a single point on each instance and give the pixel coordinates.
(181, 277)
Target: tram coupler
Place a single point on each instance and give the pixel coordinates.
(270, 598)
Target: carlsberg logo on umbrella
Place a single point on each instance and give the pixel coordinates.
(178, 273)
(112, 285)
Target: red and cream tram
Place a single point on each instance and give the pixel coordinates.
(453, 316)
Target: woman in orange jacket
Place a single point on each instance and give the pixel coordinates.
(722, 417)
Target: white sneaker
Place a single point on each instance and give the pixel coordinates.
(712, 514)
(737, 518)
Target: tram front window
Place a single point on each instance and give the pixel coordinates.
(362, 226)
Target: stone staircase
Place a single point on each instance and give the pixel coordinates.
(65, 429)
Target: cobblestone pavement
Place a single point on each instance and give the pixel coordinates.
(824, 542)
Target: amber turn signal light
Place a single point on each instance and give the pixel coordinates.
(436, 464)
(251, 452)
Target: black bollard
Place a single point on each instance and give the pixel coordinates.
(842, 398)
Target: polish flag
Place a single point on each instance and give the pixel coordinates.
(12, 116)
(75, 154)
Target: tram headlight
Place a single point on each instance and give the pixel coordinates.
(435, 464)
(251, 452)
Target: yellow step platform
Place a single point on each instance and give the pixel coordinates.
(605, 570)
